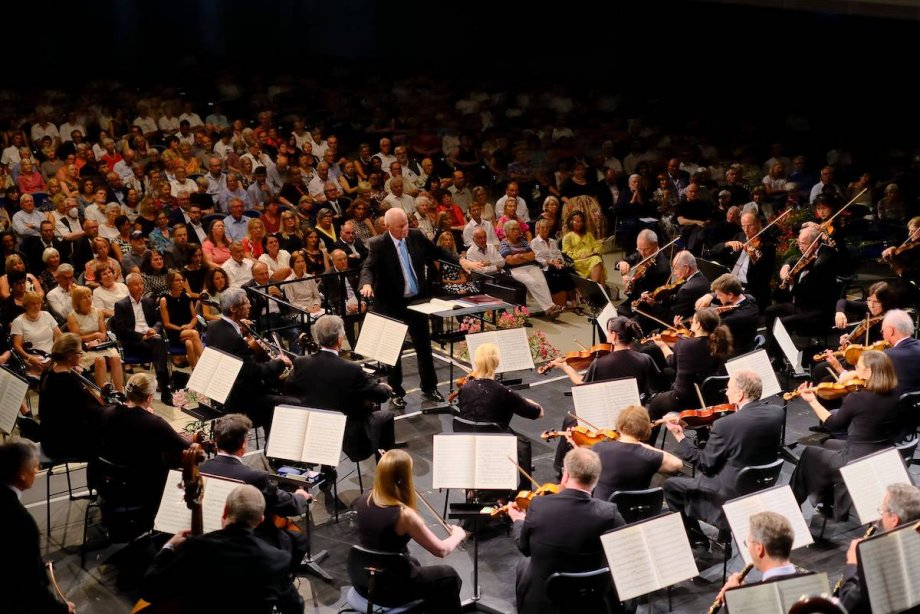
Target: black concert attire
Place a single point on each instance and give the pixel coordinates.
(871, 422)
(438, 585)
(243, 573)
(180, 313)
(905, 356)
(123, 324)
(248, 395)
(742, 321)
(278, 502)
(625, 466)
(814, 295)
(24, 584)
(655, 276)
(629, 213)
(485, 400)
(327, 381)
(270, 316)
(750, 436)
(146, 444)
(692, 235)
(356, 251)
(383, 271)
(755, 277)
(615, 365)
(561, 533)
(70, 417)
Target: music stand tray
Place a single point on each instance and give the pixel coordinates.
(592, 292)
(710, 269)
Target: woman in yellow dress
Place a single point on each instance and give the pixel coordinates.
(581, 246)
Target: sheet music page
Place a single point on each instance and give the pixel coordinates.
(890, 565)
(212, 503)
(391, 342)
(223, 379)
(659, 555)
(289, 428)
(369, 338)
(514, 350)
(173, 514)
(759, 363)
(772, 597)
(454, 461)
(323, 441)
(12, 392)
(493, 468)
(778, 499)
(474, 340)
(435, 305)
(867, 478)
(204, 371)
(609, 312)
(601, 403)
(792, 353)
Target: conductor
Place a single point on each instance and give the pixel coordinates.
(394, 275)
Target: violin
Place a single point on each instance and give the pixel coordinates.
(459, 383)
(830, 390)
(655, 295)
(258, 348)
(807, 258)
(752, 248)
(523, 498)
(669, 336)
(580, 360)
(583, 436)
(852, 352)
(904, 247)
(639, 270)
(695, 418)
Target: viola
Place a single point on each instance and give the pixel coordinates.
(583, 436)
(830, 390)
(581, 359)
(669, 336)
(524, 497)
(853, 351)
(752, 248)
(803, 262)
(639, 270)
(695, 418)
(459, 382)
(657, 294)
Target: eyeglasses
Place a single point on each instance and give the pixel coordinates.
(883, 510)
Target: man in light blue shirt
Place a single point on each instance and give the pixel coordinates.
(236, 225)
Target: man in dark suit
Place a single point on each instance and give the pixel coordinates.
(769, 542)
(82, 249)
(394, 274)
(267, 314)
(740, 313)
(341, 293)
(142, 337)
(24, 583)
(245, 573)
(248, 395)
(326, 381)
(898, 330)
(674, 306)
(562, 533)
(655, 272)
(34, 247)
(754, 276)
(352, 245)
(231, 433)
(750, 436)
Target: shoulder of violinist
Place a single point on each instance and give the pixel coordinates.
(704, 301)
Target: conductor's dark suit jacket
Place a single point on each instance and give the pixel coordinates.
(748, 437)
(383, 272)
(24, 585)
(234, 571)
(561, 533)
(326, 381)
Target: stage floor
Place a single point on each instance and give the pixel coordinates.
(106, 584)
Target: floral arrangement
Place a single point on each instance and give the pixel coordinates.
(540, 348)
(185, 397)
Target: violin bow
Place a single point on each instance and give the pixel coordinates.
(699, 394)
(580, 344)
(524, 473)
(663, 323)
(657, 252)
(588, 424)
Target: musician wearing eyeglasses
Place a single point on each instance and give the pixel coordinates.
(654, 273)
(750, 259)
(738, 310)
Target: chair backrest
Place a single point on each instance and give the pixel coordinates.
(120, 499)
(29, 428)
(760, 341)
(907, 449)
(461, 425)
(636, 505)
(713, 389)
(251, 213)
(758, 477)
(580, 591)
(380, 577)
(909, 410)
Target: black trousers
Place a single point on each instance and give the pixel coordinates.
(154, 349)
(421, 341)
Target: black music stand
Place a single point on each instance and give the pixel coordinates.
(595, 296)
(710, 269)
(473, 512)
(310, 562)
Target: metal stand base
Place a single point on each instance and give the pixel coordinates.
(483, 605)
(310, 564)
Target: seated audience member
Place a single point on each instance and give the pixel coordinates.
(89, 323)
(520, 262)
(33, 334)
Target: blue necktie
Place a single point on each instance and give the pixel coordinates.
(408, 272)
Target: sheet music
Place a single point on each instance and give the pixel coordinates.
(659, 555)
(435, 305)
(867, 478)
(609, 312)
(601, 403)
(12, 392)
(890, 565)
(778, 499)
(454, 461)
(323, 439)
(759, 363)
(792, 353)
(216, 491)
(289, 427)
(493, 469)
(215, 374)
(513, 348)
(174, 515)
(776, 596)
(381, 339)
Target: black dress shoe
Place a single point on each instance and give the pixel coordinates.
(398, 402)
(698, 541)
(433, 395)
(166, 398)
(819, 428)
(399, 444)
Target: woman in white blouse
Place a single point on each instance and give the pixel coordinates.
(303, 291)
(37, 328)
(277, 259)
(109, 291)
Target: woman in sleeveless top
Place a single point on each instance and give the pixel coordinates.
(388, 520)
